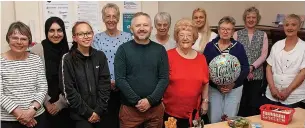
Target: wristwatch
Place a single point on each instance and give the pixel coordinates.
(33, 107)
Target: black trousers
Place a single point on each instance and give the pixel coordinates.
(268, 101)
(86, 124)
(60, 120)
(41, 123)
(111, 118)
(251, 98)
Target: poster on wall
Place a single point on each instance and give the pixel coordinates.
(89, 11)
(127, 17)
(59, 9)
(132, 6)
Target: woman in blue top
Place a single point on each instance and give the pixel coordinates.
(224, 100)
(108, 42)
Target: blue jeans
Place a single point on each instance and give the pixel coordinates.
(221, 104)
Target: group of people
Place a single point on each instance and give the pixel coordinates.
(116, 79)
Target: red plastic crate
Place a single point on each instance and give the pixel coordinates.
(268, 113)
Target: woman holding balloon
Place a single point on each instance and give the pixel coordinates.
(228, 65)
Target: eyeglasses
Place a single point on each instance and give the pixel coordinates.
(82, 35)
(16, 39)
(226, 29)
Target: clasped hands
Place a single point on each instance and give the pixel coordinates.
(25, 117)
(280, 94)
(226, 88)
(143, 105)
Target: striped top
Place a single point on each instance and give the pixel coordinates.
(22, 82)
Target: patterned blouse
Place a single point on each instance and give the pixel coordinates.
(109, 46)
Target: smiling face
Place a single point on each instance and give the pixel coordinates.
(251, 20)
(111, 18)
(162, 27)
(185, 39)
(83, 35)
(18, 42)
(291, 27)
(199, 19)
(55, 33)
(141, 28)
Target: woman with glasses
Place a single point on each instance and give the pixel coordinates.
(51, 50)
(85, 78)
(108, 42)
(23, 82)
(225, 96)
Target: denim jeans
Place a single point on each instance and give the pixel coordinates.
(221, 104)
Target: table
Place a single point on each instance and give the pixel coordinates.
(298, 121)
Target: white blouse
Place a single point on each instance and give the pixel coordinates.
(285, 67)
(196, 45)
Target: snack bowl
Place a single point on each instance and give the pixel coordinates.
(238, 122)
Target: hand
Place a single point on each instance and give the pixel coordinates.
(204, 108)
(17, 112)
(55, 110)
(94, 118)
(250, 76)
(251, 68)
(27, 116)
(226, 88)
(284, 93)
(32, 123)
(49, 107)
(143, 105)
(113, 87)
(275, 93)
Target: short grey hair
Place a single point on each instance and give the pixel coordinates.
(249, 10)
(139, 14)
(163, 16)
(227, 19)
(111, 5)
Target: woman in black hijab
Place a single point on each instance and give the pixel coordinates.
(51, 51)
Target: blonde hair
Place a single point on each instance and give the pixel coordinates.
(293, 16)
(205, 31)
(187, 25)
(111, 5)
(249, 10)
(20, 27)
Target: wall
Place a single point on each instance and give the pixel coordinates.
(7, 17)
(216, 10)
(30, 12)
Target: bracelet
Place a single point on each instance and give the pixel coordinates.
(253, 67)
(205, 100)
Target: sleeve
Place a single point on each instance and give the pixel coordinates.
(270, 59)
(163, 78)
(74, 99)
(264, 53)
(103, 89)
(244, 63)
(120, 77)
(303, 61)
(6, 102)
(41, 85)
(95, 42)
(206, 71)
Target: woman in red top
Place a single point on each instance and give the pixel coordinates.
(189, 76)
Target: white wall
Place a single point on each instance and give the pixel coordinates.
(7, 17)
(216, 10)
(31, 12)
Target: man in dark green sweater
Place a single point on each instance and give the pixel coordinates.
(141, 74)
